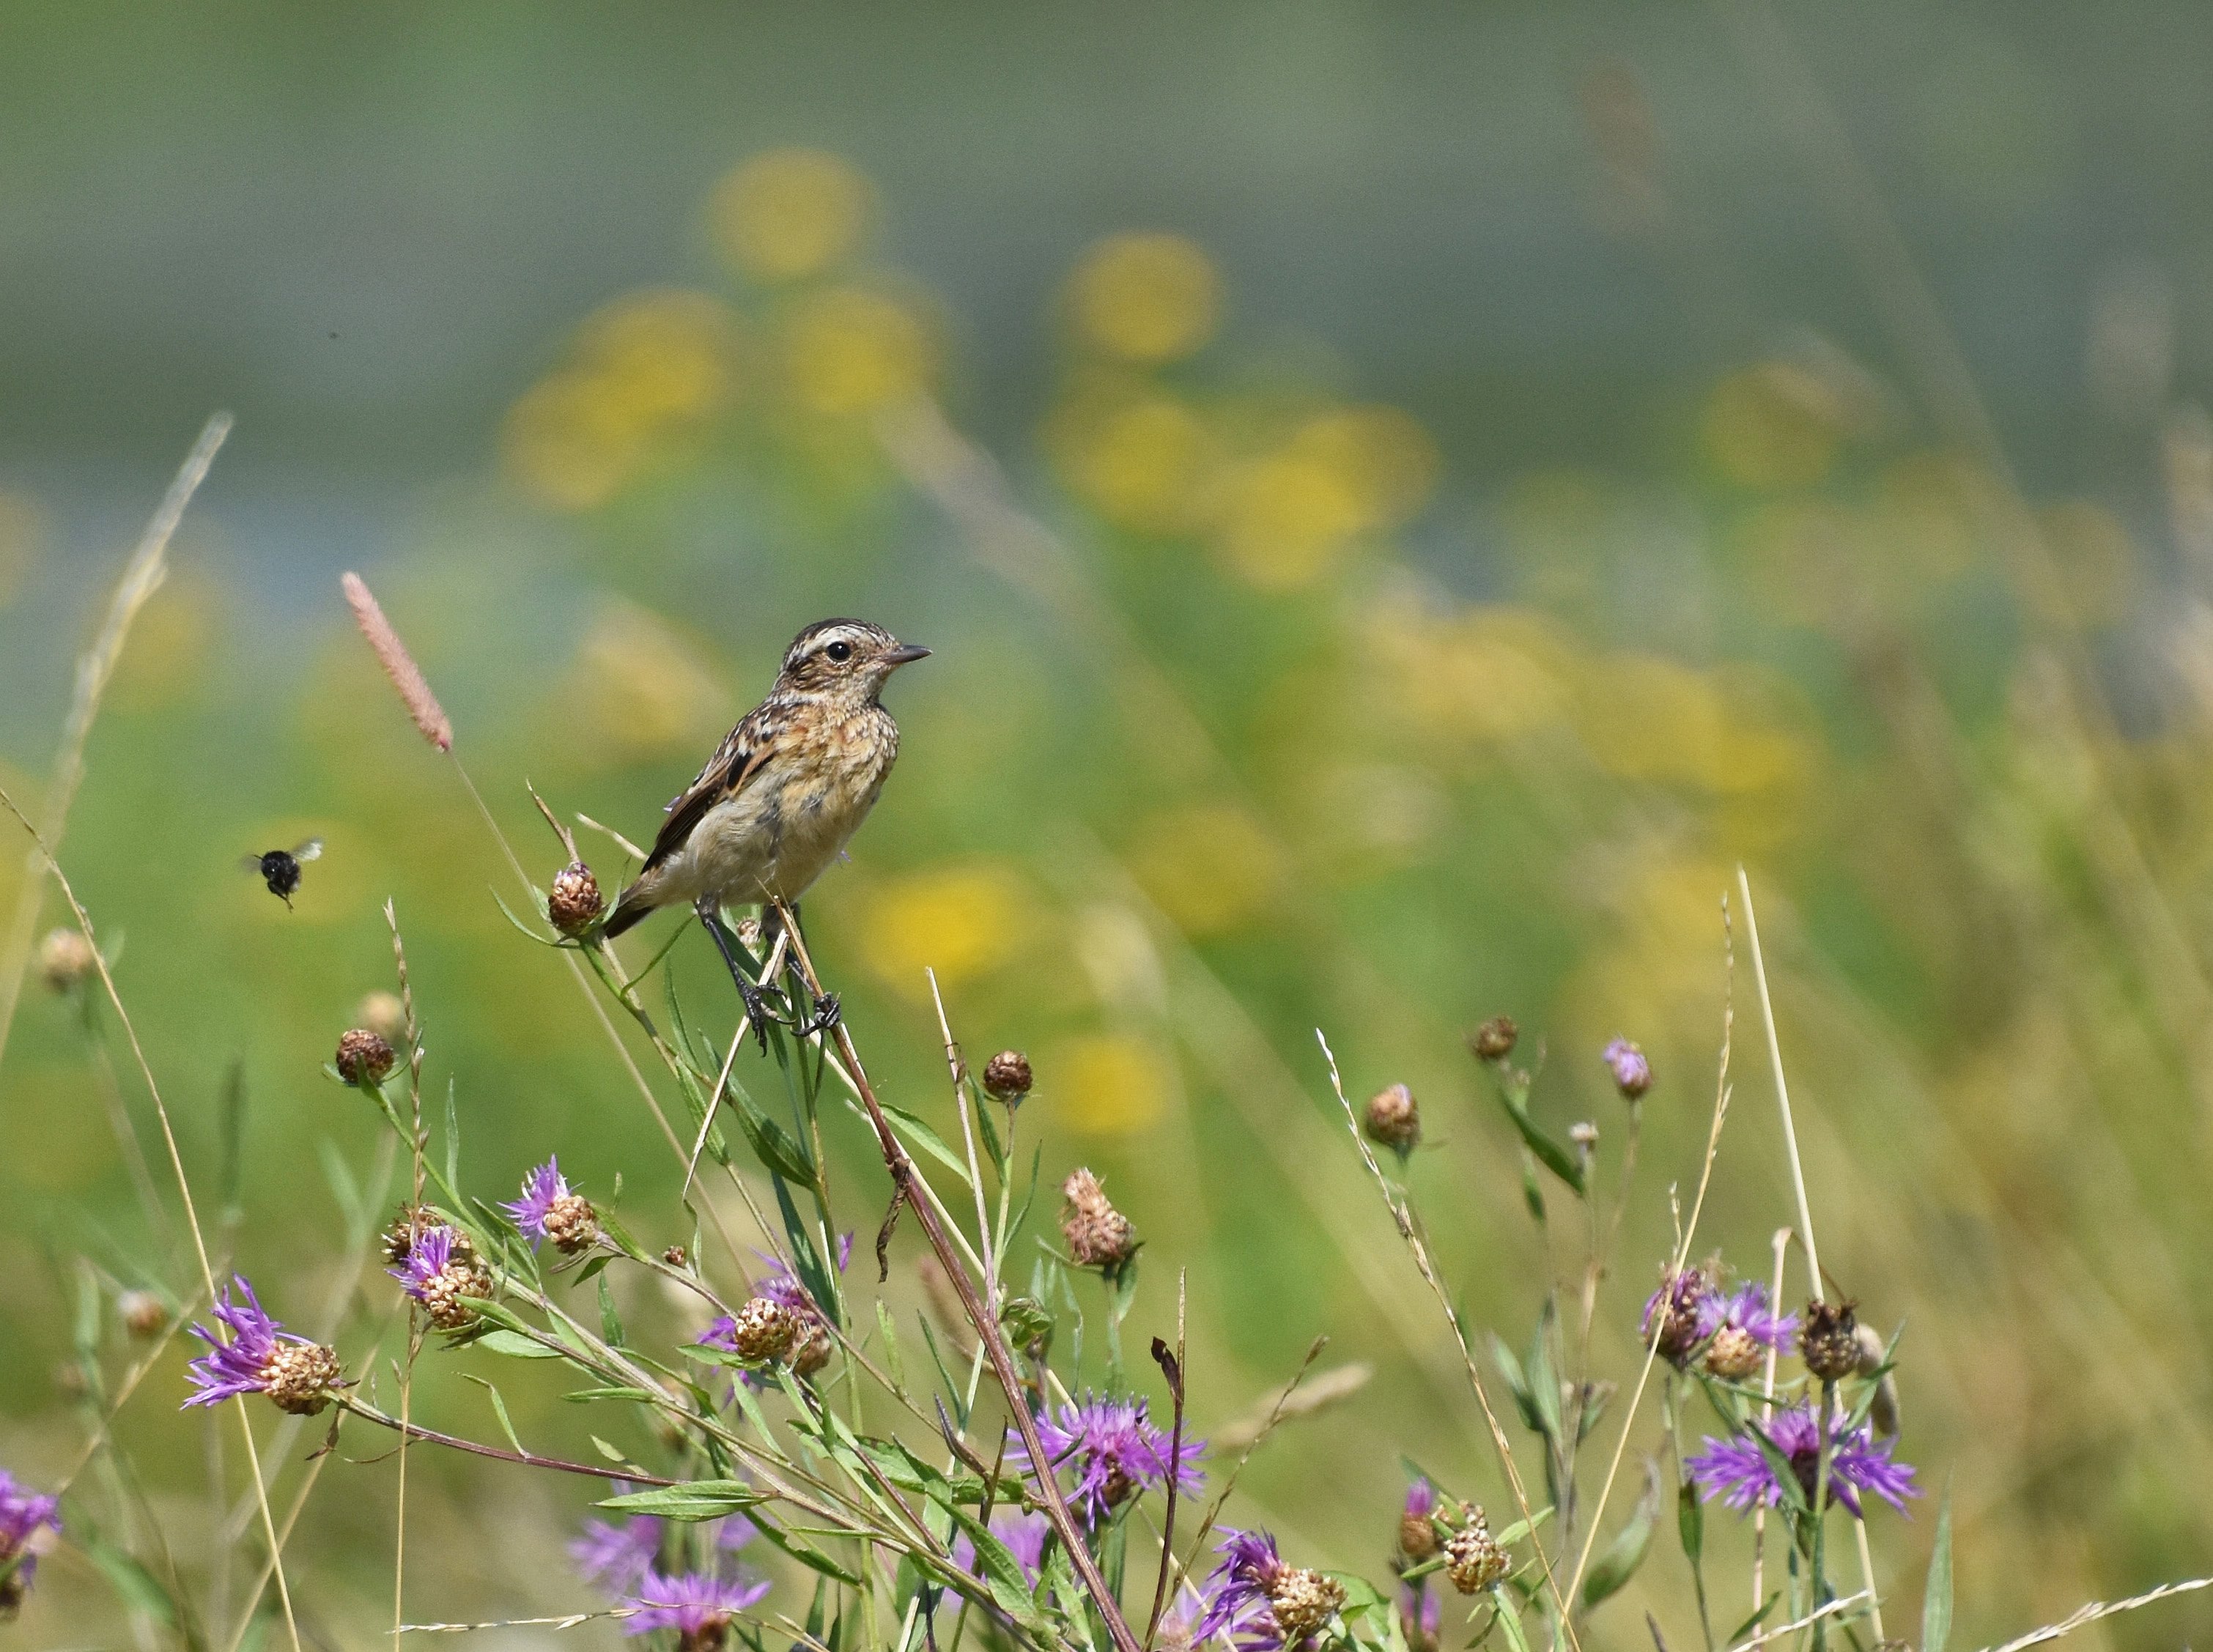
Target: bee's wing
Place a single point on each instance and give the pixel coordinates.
(308, 851)
(250, 864)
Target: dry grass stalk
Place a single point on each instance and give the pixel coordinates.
(1338, 1383)
(141, 576)
(398, 665)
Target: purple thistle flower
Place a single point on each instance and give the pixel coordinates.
(1421, 1498)
(426, 1259)
(1421, 1614)
(697, 1605)
(246, 1364)
(1632, 1073)
(1240, 1606)
(1685, 1296)
(1738, 1471)
(614, 1557)
(539, 1189)
(1119, 1453)
(1747, 1309)
(22, 1512)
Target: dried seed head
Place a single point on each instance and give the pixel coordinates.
(301, 1376)
(409, 1222)
(1473, 1560)
(1417, 1536)
(1007, 1076)
(673, 1256)
(1632, 1073)
(572, 1224)
(65, 959)
(1830, 1341)
(1734, 1354)
(145, 1315)
(1303, 1600)
(763, 1329)
(811, 1345)
(1098, 1234)
(1393, 1119)
(574, 903)
(443, 1292)
(383, 1013)
(1494, 1040)
(363, 1058)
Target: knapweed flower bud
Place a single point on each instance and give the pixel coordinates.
(1735, 1354)
(65, 959)
(144, 1315)
(674, 1256)
(811, 1345)
(299, 1376)
(1303, 1600)
(574, 903)
(410, 1223)
(1007, 1076)
(1494, 1040)
(1830, 1343)
(762, 1329)
(1098, 1234)
(1026, 1319)
(1417, 1526)
(384, 1015)
(363, 1058)
(1473, 1560)
(1882, 1410)
(1632, 1073)
(572, 1224)
(1393, 1119)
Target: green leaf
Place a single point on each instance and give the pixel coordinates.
(453, 1138)
(772, 1144)
(1517, 1382)
(1544, 1381)
(1618, 1563)
(920, 1135)
(991, 1143)
(611, 1329)
(1936, 1593)
(806, 1554)
(1554, 1157)
(1756, 1619)
(893, 1367)
(693, 1500)
(1002, 1573)
(231, 1177)
(499, 1409)
(1509, 1619)
(516, 1345)
(584, 1396)
(1690, 1521)
(141, 1590)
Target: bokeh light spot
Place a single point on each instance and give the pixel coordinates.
(852, 350)
(790, 213)
(1107, 1084)
(962, 921)
(1211, 868)
(1145, 297)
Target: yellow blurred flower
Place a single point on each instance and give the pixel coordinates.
(1143, 462)
(1775, 425)
(1289, 517)
(2094, 562)
(643, 371)
(853, 351)
(1211, 868)
(1383, 455)
(789, 213)
(962, 921)
(1144, 297)
(640, 687)
(23, 539)
(1486, 673)
(1106, 1084)
(1660, 970)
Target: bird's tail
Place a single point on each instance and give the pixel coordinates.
(633, 909)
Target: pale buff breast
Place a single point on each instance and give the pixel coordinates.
(774, 838)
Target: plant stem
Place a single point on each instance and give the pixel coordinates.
(908, 1184)
(454, 1443)
(1821, 1627)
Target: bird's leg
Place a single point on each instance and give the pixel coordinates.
(824, 1015)
(757, 1013)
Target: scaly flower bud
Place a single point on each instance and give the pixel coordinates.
(1632, 1073)
(1394, 1120)
(1007, 1076)
(145, 1315)
(1473, 1558)
(1099, 1235)
(573, 903)
(363, 1058)
(1830, 1343)
(762, 1329)
(1303, 1600)
(1494, 1040)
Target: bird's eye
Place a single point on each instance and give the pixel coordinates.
(839, 652)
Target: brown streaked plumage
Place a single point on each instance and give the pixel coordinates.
(787, 788)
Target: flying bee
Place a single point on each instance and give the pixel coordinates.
(280, 868)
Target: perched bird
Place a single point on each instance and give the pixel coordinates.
(280, 868)
(787, 788)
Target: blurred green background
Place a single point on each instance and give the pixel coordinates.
(1406, 499)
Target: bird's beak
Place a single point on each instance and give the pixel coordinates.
(906, 654)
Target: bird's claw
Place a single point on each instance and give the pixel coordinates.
(757, 1013)
(824, 1018)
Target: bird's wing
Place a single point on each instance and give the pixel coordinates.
(735, 761)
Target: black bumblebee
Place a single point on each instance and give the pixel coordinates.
(280, 868)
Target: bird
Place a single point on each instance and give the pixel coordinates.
(787, 788)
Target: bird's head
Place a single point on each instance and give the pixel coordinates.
(844, 659)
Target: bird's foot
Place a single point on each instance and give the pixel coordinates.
(824, 1017)
(758, 1011)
